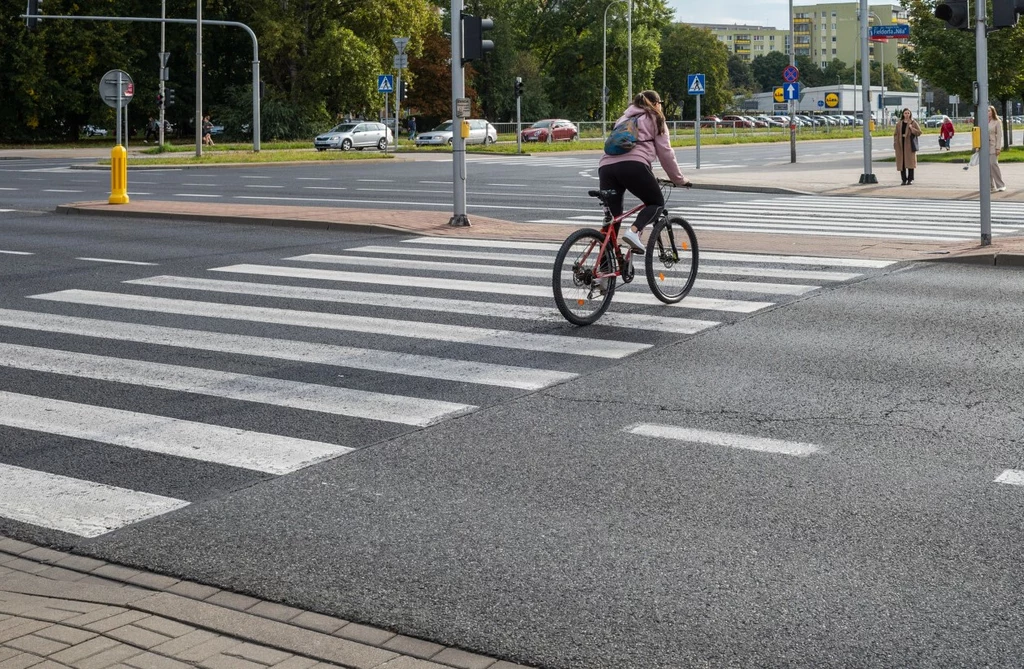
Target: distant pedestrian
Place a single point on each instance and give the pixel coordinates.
(946, 132)
(152, 129)
(995, 146)
(207, 131)
(905, 143)
(412, 127)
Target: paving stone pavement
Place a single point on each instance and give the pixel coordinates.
(59, 610)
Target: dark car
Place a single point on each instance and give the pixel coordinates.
(711, 122)
(737, 121)
(559, 130)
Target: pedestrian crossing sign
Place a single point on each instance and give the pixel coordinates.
(695, 84)
(385, 84)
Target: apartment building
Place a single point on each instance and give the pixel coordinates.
(822, 32)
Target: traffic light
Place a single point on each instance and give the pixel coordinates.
(403, 90)
(169, 99)
(474, 46)
(159, 100)
(1004, 13)
(956, 14)
(33, 9)
(519, 87)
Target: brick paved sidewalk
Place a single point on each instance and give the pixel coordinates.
(60, 610)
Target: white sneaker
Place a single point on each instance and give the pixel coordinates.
(632, 239)
(1000, 190)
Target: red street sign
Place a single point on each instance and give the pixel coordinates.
(129, 90)
(790, 74)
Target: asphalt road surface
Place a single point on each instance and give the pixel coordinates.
(808, 463)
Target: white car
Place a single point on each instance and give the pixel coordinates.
(94, 131)
(480, 132)
(354, 135)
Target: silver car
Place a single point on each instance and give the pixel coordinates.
(480, 132)
(354, 135)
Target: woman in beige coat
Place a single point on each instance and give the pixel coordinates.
(904, 137)
(995, 146)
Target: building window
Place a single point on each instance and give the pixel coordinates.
(833, 40)
(833, 52)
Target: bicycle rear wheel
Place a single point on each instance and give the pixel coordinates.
(579, 296)
(671, 259)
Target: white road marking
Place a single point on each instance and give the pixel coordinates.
(249, 176)
(1011, 477)
(17, 253)
(810, 275)
(313, 178)
(195, 195)
(381, 181)
(395, 300)
(724, 439)
(230, 446)
(526, 341)
(504, 376)
(78, 507)
(501, 288)
(399, 263)
(119, 262)
(262, 186)
(230, 385)
(61, 190)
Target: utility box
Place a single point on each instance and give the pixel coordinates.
(976, 137)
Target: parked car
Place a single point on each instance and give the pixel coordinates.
(755, 122)
(933, 121)
(94, 131)
(480, 132)
(559, 129)
(354, 135)
(736, 121)
(710, 122)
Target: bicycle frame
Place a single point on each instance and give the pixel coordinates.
(612, 223)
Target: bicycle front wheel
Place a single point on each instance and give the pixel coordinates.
(671, 259)
(579, 294)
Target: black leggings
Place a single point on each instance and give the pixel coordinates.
(636, 177)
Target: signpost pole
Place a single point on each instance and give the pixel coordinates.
(981, 118)
(865, 80)
(696, 135)
(459, 217)
(792, 103)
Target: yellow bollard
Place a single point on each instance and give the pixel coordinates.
(976, 138)
(118, 175)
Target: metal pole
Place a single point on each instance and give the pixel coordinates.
(519, 124)
(629, 50)
(604, 74)
(981, 117)
(459, 217)
(696, 136)
(865, 81)
(199, 78)
(163, 57)
(792, 103)
(119, 91)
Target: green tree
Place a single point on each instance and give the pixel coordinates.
(741, 76)
(768, 68)
(690, 50)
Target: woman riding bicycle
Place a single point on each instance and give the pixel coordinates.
(632, 170)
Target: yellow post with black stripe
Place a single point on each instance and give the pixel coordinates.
(118, 175)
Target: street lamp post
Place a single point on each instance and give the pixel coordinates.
(629, 51)
(882, 71)
(604, 71)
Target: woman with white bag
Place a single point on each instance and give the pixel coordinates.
(995, 146)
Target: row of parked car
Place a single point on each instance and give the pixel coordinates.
(766, 121)
(370, 134)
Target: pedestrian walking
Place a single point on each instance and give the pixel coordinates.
(946, 132)
(995, 146)
(412, 127)
(905, 143)
(152, 129)
(207, 131)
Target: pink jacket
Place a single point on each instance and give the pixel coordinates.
(645, 151)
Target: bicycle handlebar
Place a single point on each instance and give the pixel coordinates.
(668, 182)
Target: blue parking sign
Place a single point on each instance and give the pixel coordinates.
(385, 83)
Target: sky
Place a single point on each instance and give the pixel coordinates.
(773, 13)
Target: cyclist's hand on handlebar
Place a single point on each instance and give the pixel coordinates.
(686, 183)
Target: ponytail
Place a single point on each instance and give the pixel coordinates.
(649, 101)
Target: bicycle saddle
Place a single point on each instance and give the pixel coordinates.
(602, 194)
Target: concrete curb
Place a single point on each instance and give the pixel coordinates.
(36, 581)
(994, 258)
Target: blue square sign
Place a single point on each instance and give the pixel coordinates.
(791, 91)
(385, 83)
(695, 84)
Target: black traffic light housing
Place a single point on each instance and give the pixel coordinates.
(159, 100)
(403, 90)
(1004, 13)
(33, 9)
(956, 14)
(169, 100)
(518, 88)
(474, 46)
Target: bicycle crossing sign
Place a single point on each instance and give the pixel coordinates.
(695, 84)
(385, 83)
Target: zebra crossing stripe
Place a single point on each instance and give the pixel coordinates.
(401, 263)
(407, 364)
(807, 275)
(230, 385)
(600, 348)
(421, 282)
(394, 300)
(255, 451)
(705, 255)
(78, 507)
(724, 439)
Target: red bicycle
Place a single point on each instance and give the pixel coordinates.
(590, 262)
